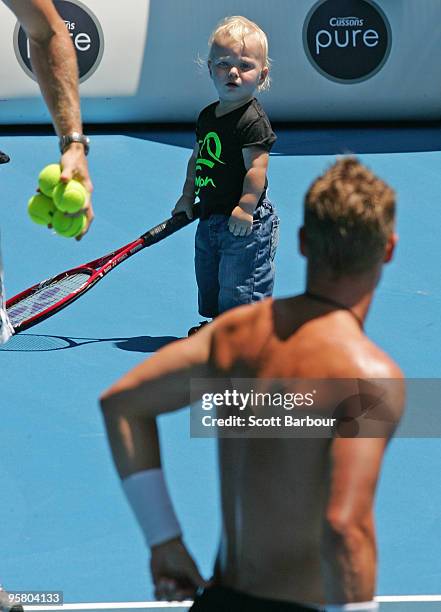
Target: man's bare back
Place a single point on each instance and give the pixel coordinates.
(274, 490)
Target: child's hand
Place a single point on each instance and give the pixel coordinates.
(184, 204)
(240, 222)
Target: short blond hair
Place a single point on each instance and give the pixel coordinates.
(236, 28)
(349, 216)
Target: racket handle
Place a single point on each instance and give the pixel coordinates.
(169, 227)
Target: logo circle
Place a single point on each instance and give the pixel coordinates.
(347, 41)
(86, 34)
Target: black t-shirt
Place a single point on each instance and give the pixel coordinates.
(220, 169)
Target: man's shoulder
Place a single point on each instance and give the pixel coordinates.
(344, 355)
(373, 362)
(244, 319)
(378, 376)
(381, 384)
(343, 360)
(242, 332)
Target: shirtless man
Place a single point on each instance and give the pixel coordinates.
(308, 541)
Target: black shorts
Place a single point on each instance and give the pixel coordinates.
(222, 599)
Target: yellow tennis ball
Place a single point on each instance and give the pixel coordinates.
(68, 226)
(41, 209)
(48, 178)
(70, 197)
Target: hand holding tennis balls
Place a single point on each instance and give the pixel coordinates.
(74, 164)
(55, 199)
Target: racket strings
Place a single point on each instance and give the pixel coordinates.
(30, 343)
(45, 297)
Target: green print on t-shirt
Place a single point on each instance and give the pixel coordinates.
(210, 150)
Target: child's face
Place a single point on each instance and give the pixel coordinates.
(236, 69)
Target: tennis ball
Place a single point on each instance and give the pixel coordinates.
(41, 209)
(68, 226)
(70, 197)
(48, 178)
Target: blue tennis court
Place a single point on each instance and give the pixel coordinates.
(64, 523)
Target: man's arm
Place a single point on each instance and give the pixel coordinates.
(348, 547)
(159, 385)
(348, 541)
(256, 165)
(53, 60)
(55, 66)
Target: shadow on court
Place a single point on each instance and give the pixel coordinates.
(292, 139)
(321, 139)
(34, 343)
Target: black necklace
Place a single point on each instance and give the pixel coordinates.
(326, 300)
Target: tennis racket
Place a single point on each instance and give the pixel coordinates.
(48, 297)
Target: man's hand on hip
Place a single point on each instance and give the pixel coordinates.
(174, 572)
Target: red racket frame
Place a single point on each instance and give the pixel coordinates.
(98, 268)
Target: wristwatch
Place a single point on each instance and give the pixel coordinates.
(65, 141)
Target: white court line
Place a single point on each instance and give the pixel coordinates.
(407, 598)
(121, 605)
(143, 605)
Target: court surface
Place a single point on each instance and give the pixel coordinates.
(64, 524)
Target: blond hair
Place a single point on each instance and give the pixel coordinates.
(236, 29)
(349, 216)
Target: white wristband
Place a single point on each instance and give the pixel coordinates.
(148, 496)
(363, 606)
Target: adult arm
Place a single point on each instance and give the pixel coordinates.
(55, 66)
(348, 546)
(160, 384)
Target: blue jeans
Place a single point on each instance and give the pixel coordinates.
(235, 270)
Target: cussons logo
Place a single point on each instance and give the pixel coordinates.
(347, 40)
(85, 31)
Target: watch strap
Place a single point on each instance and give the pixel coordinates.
(68, 139)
